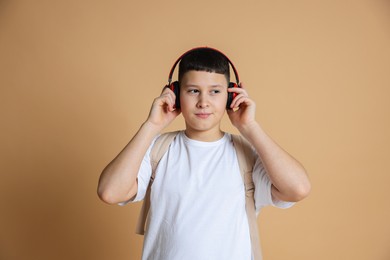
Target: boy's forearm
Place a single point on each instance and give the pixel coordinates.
(287, 175)
(118, 181)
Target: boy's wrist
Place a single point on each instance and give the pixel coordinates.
(249, 128)
(152, 128)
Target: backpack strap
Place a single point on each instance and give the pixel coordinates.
(159, 148)
(246, 161)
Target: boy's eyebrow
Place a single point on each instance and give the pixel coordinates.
(195, 85)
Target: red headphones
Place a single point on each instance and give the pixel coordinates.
(175, 87)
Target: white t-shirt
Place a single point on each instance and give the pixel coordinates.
(198, 202)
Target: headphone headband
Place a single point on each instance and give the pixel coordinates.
(199, 48)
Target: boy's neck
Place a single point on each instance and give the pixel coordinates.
(206, 136)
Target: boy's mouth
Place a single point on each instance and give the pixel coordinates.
(203, 115)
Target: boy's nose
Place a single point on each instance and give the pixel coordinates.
(202, 101)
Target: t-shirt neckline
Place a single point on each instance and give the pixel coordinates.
(190, 141)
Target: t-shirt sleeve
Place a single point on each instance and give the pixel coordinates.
(143, 177)
(263, 194)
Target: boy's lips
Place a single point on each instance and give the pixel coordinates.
(203, 115)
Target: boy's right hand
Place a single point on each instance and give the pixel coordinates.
(163, 110)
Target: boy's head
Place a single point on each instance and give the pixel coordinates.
(207, 60)
(202, 90)
(204, 59)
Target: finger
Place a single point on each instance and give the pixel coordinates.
(165, 101)
(236, 103)
(172, 98)
(170, 102)
(168, 92)
(164, 90)
(238, 91)
(239, 99)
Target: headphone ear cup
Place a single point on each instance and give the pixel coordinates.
(175, 87)
(231, 95)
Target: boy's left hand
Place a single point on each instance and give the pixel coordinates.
(242, 110)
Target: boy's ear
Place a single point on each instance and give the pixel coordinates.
(231, 95)
(175, 87)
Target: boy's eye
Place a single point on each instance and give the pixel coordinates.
(196, 91)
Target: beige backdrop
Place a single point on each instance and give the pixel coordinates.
(78, 77)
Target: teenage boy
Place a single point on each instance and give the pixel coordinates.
(198, 198)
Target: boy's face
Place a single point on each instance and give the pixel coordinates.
(203, 97)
